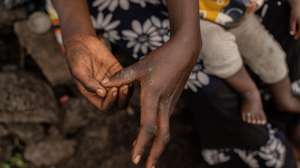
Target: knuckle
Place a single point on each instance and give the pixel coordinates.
(149, 128)
(75, 71)
(164, 135)
(165, 138)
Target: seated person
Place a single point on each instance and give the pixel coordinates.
(232, 36)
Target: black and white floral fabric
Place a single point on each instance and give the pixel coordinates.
(139, 32)
(271, 155)
(296, 88)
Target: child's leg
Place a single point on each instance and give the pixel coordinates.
(283, 97)
(222, 58)
(252, 109)
(267, 59)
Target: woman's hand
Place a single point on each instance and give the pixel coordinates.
(162, 75)
(91, 62)
(295, 18)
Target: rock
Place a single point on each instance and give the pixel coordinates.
(120, 158)
(28, 133)
(50, 152)
(39, 23)
(78, 113)
(6, 148)
(8, 17)
(46, 52)
(25, 99)
(12, 3)
(3, 131)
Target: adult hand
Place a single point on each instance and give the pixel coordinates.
(91, 62)
(162, 75)
(295, 18)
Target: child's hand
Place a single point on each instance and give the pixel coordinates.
(254, 5)
(295, 18)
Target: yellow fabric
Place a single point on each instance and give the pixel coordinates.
(226, 12)
(210, 9)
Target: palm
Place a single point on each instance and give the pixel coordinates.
(90, 63)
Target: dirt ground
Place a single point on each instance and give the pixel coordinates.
(45, 126)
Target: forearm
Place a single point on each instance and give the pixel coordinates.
(184, 20)
(294, 4)
(74, 18)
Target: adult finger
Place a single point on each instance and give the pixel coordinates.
(297, 35)
(89, 83)
(124, 77)
(149, 105)
(123, 96)
(91, 97)
(110, 98)
(293, 24)
(162, 137)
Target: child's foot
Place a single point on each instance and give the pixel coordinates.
(252, 110)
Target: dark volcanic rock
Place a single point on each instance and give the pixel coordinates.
(78, 113)
(50, 152)
(25, 99)
(46, 52)
(28, 133)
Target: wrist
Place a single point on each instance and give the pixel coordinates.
(190, 41)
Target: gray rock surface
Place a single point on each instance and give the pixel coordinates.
(25, 99)
(50, 152)
(46, 52)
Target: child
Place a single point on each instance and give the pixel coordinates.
(231, 35)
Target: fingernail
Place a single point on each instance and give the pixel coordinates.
(100, 92)
(115, 93)
(153, 166)
(125, 91)
(105, 81)
(137, 159)
(292, 32)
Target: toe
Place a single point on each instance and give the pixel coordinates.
(250, 119)
(244, 117)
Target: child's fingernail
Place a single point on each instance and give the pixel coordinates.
(137, 159)
(105, 81)
(292, 32)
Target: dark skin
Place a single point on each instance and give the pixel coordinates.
(251, 108)
(295, 18)
(162, 73)
(88, 58)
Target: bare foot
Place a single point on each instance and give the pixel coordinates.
(252, 110)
